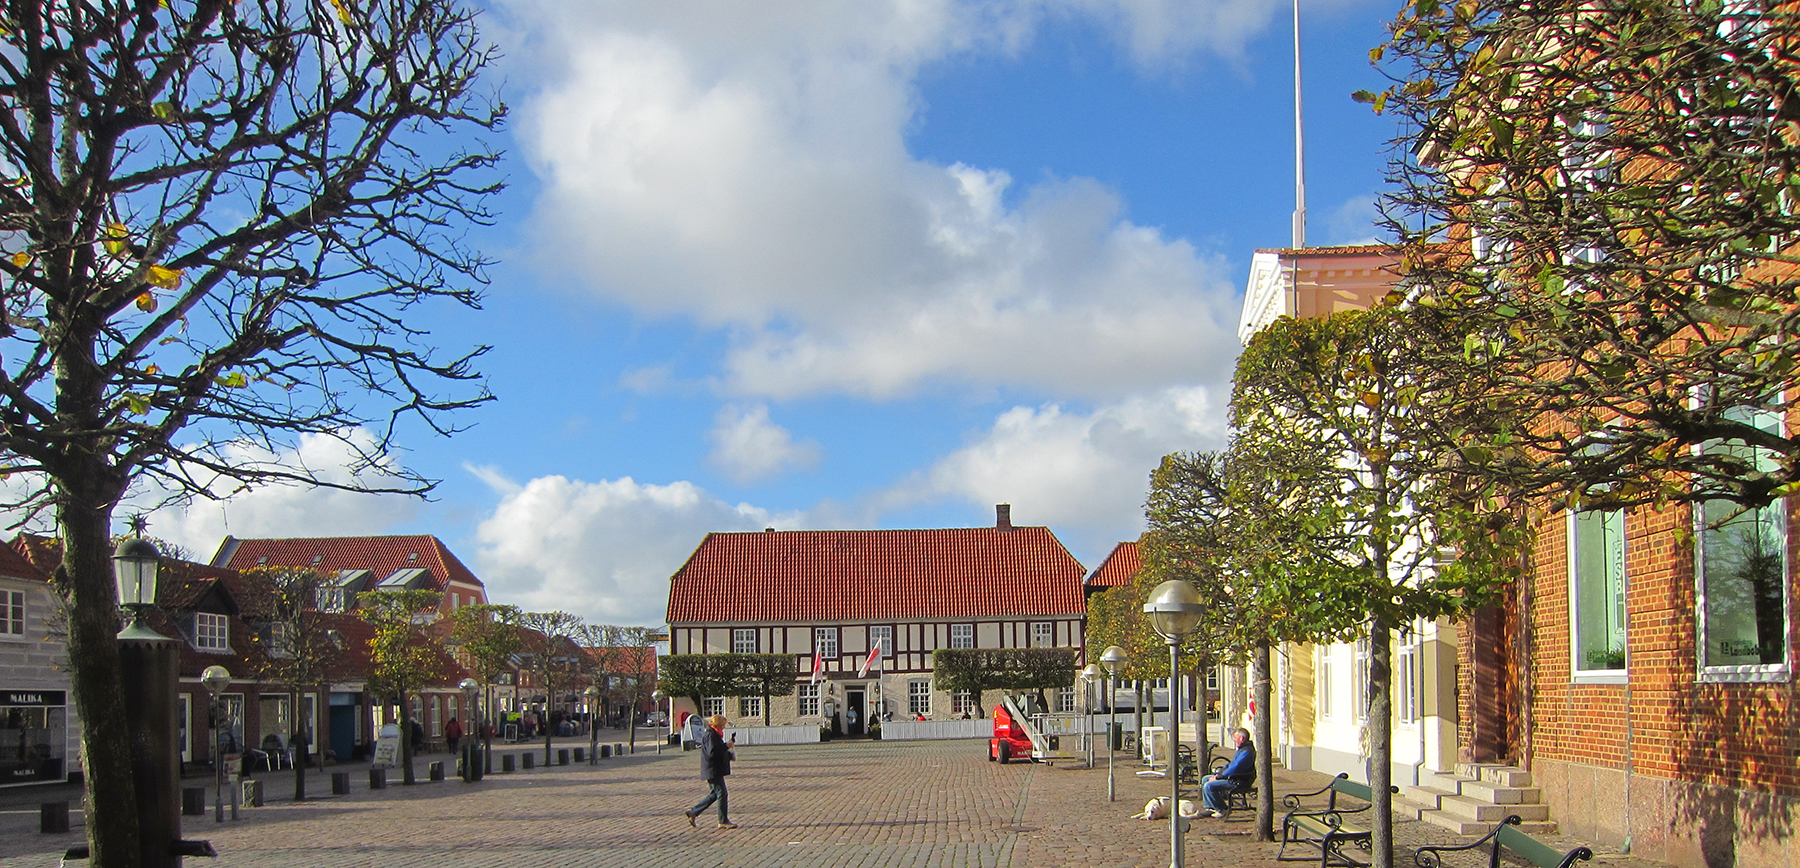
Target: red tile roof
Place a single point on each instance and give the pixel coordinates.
(14, 565)
(856, 575)
(380, 555)
(1119, 568)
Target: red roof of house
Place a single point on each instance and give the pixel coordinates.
(1119, 568)
(382, 556)
(858, 575)
(14, 564)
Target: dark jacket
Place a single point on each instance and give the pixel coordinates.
(1242, 766)
(715, 756)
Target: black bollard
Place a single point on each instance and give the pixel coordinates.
(506, 762)
(377, 779)
(340, 783)
(562, 756)
(53, 818)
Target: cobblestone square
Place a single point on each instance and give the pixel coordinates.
(911, 804)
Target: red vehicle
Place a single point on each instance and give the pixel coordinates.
(1009, 738)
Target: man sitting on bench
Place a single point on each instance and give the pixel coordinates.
(1215, 790)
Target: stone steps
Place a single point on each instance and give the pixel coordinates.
(1478, 797)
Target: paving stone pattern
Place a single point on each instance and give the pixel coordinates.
(904, 804)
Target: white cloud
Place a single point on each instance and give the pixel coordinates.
(282, 509)
(1354, 221)
(746, 166)
(603, 550)
(747, 446)
(1084, 473)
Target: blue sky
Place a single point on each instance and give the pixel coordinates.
(857, 265)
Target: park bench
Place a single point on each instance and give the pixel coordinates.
(1506, 836)
(1330, 829)
(1241, 795)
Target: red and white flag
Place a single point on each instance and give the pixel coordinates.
(869, 662)
(818, 667)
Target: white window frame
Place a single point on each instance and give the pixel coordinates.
(1406, 678)
(711, 705)
(749, 707)
(808, 702)
(961, 701)
(1043, 634)
(1749, 672)
(825, 642)
(962, 635)
(1359, 680)
(212, 632)
(918, 698)
(1616, 556)
(743, 640)
(12, 613)
(1065, 700)
(883, 636)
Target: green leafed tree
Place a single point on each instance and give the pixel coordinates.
(552, 651)
(1595, 203)
(767, 676)
(402, 659)
(220, 221)
(488, 635)
(697, 676)
(1400, 539)
(1015, 670)
(298, 648)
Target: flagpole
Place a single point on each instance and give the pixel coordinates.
(1299, 144)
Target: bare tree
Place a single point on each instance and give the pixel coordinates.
(216, 221)
(299, 650)
(553, 646)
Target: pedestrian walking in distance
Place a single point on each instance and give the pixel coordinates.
(715, 763)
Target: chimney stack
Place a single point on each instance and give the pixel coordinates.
(1003, 516)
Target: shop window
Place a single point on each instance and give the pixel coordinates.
(1597, 590)
(33, 733)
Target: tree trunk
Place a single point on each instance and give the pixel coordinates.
(1381, 745)
(84, 517)
(406, 745)
(1265, 759)
(765, 705)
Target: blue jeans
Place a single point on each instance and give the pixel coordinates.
(717, 795)
(1216, 793)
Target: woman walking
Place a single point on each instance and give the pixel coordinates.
(715, 763)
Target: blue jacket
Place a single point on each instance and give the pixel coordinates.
(1243, 765)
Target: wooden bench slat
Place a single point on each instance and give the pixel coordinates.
(1534, 851)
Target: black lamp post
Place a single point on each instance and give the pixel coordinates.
(1174, 609)
(471, 743)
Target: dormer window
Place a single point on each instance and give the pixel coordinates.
(211, 632)
(318, 559)
(262, 561)
(412, 556)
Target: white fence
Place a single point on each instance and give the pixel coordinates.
(751, 735)
(915, 730)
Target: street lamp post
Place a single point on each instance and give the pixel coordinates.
(656, 698)
(150, 668)
(1089, 675)
(1114, 659)
(1174, 609)
(593, 699)
(216, 678)
(471, 744)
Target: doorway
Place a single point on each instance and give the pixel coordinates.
(853, 698)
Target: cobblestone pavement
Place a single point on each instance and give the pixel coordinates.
(914, 804)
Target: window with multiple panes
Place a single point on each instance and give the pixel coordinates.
(962, 635)
(825, 642)
(962, 701)
(211, 632)
(1043, 634)
(711, 705)
(12, 613)
(743, 641)
(809, 700)
(1359, 679)
(1406, 677)
(1065, 699)
(1325, 682)
(884, 637)
(1742, 568)
(749, 706)
(1597, 590)
(918, 697)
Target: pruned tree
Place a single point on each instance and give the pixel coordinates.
(217, 222)
(299, 649)
(1384, 512)
(1595, 203)
(402, 658)
(767, 675)
(489, 637)
(979, 670)
(552, 650)
(697, 676)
